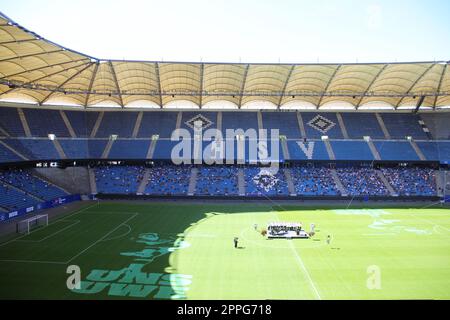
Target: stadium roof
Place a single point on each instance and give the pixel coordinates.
(36, 70)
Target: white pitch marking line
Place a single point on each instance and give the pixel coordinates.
(302, 265)
(119, 236)
(77, 255)
(429, 221)
(34, 261)
(55, 221)
(54, 233)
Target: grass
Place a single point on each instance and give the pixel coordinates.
(185, 251)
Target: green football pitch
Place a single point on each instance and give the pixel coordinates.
(185, 251)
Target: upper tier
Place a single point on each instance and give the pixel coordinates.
(16, 122)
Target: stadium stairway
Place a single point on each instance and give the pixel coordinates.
(338, 183)
(219, 121)
(329, 150)
(373, 149)
(38, 199)
(388, 186)
(3, 132)
(383, 126)
(193, 181)
(260, 121)
(23, 120)
(92, 183)
(144, 181)
(59, 149)
(137, 125)
(97, 124)
(68, 124)
(342, 126)
(241, 182)
(151, 149)
(417, 150)
(179, 118)
(285, 149)
(290, 183)
(301, 125)
(105, 153)
(13, 150)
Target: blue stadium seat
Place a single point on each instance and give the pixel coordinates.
(157, 122)
(411, 181)
(7, 155)
(10, 121)
(12, 199)
(217, 180)
(129, 149)
(208, 119)
(75, 148)
(285, 122)
(119, 123)
(351, 150)
(359, 125)
(403, 124)
(34, 149)
(42, 122)
(123, 180)
(313, 181)
(96, 147)
(321, 124)
(316, 149)
(168, 180)
(262, 182)
(27, 182)
(82, 122)
(361, 181)
(241, 120)
(395, 150)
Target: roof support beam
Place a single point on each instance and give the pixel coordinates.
(62, 84)
(90, 84)
(414, 84)
(202, 69)
(117, 83)
(370, 85)
(328, 84)
(41, 78)
(283, 91)
(439, 85)
(244, 80)
(158, 80)
(19, 41)
(31, 55)
(43, 67)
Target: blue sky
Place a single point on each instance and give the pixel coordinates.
(245, 30)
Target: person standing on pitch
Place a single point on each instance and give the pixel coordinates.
(236, 242)
(328, 239)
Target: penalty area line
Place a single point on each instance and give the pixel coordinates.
(58, 219)
(101, 239)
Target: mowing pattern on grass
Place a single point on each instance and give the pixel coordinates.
(185, 251)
